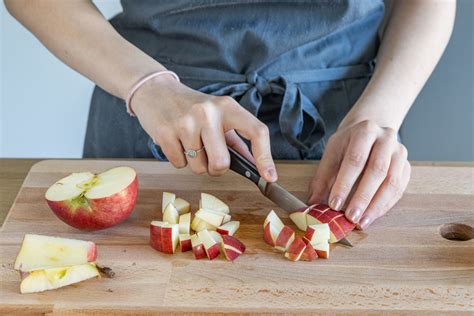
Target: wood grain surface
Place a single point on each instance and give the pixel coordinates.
(401, 265)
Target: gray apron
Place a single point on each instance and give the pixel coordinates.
(298, 66)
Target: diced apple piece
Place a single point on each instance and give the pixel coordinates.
(273, 217)
(299, 218)
(285, 238)
(232, 247)
(338, 223)
(296, 249)
(42, 252)
(210, 245)
(185, 242)
(309, 254)
(322, 250)
(167, 199)
(54, 278)
(317, 233)
(210, 202)
(182, 206)
(228, 228)
(198, 247)
(271, 228)
(198, 224)
(213, 218)
(216, 236)
(164, 236)
(184, 223)
(170, 215)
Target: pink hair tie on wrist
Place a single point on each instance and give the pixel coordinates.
(140, 83)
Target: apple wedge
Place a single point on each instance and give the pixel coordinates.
(216, 236)
(338, 224)
(296, 249)
(167, 199)
(271, 228)
(213, 218)
(185, 223)
(42, 252)
(285, 238)
(185, 242)
(232, 247)
(210, 245)
(309, 254)
(317, 233)
(170, 215)
(164, 236)
(198, 247)
(228, 228)
(210, 202)
(322, 250)
(299, 218)
(90, 201)
(182, 206)
(54, 278)
(198, 224)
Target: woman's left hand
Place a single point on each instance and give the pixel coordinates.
(367, 160)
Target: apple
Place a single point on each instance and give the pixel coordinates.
(90, 201)
(210, 217)
(164, 236)
(171, 215)
(167, 199)
(54, 278)
(210, 202)
(210, 245)
(184, 223)
(339, 225)
(296, 249)
(228, 228)
(185, 242)
(322, 250)
(272, 227)
(197, 225)
(317, 233)
(285, 238)
(216, 236)
(309, 254)
(41, 252)
(182, 206)
(198, 247)
(232, 247)
(299, 218)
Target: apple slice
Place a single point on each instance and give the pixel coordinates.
(184, 223)
(164, 236)
(182, 206)
(210, 245)
(271, 228)
(42, 252)
(228, 228)
(216, 236)
(296, 249)
(167, 199)
(213, 218)
(317, 233)
(322, 250)
(94, 201)
(210, 202)
(185, 242)
(54, 278)
(198, 247)
(299, 218)
(338, 224)
(285, 238)
(198, 224)
(170, 215)
(309, 254)
(232, 247)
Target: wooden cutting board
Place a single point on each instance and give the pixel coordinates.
(400, 265)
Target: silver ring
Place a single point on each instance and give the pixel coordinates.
(191, 153)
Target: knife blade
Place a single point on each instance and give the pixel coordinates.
(272, 190)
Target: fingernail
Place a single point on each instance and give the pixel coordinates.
(365, 222)
(354, 214)
(270, 173)
(336, 203)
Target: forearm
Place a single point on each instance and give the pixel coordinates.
(77, 33)
(415, 38)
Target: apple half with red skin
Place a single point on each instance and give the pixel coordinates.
(228, 228)
(39, 252)
(210, 245)
(164, 236)
(185, 242)
(339, 225)
(309, 254)
(90, 201)
(296, 249)
(232, 247)
(198, 247)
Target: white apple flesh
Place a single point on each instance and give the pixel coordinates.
(213, 218)
(167, 198)
(228, 228)
(210, 245)
(170, 215)
(182, 206)
(185, 223)
(210, 202)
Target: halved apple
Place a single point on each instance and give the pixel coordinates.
(309, 254)
(210, 217)
(338, 223)
(210, 245)
(164, 236)
(198, 247)
(184, 223)
(296, 249)
(167, 199)
(54, 278)
(322, 250)
(182, 206)
(228, 228)
(232, 247)
(185, 242)
(317, 233)
(94, 201)
(210, 202)
(299, 218)
(42, 252)
(170, 215)
(271, 228)
(285, 238)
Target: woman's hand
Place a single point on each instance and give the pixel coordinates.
(178, 118)
(367, 160)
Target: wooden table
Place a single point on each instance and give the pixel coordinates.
(401, 265)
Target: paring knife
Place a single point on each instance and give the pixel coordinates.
(271, 190)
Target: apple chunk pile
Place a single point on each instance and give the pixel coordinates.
(47, 263)
(212, 225)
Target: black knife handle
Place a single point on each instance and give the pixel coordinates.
(243, 167)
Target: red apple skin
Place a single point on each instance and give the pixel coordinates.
(213, 251)
(322, 254)
(309, 254)
(233, 242)
(295, 249)
(231, 255)
(267, 236)
(199, 252)
(185, 245)
(92, 253)
(97, 214)
(161, 239)
(339, 225)
(283, 237)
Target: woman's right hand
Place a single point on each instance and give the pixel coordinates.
(178, 118)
